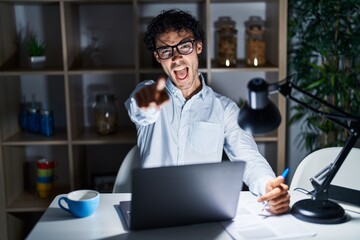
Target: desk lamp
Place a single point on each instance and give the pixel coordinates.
(259, 115)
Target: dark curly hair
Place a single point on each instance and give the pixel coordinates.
(173, 19)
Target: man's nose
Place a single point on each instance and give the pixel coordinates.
(176, 54)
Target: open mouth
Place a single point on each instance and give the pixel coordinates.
(181, 74)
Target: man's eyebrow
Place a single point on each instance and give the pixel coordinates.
(183, 40)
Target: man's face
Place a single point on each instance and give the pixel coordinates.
(182, 69)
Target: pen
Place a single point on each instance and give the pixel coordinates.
(284, 174)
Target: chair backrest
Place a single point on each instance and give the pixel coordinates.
(123, 179)
(348, 175)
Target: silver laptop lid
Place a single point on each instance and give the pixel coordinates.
(181, 195)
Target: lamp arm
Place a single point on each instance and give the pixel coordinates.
(321, 181)
(285, 87)
(327, 175)
(331, 116)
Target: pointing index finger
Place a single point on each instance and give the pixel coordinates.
(161, 96)
(160, 85)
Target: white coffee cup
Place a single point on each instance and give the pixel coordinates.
(80, 203)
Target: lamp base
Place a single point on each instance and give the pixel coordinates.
(318, 211)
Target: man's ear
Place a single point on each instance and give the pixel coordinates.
(199, 47)
(156, 57)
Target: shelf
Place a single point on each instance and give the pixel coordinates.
(174, 1)
(238, 1)
(124, 135)
(26, 138)
(271, 137)
(25, 71)
(29, 202)
(105, 70)
(242, 67)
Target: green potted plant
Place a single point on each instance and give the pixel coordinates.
(36, 51)
(324, 48)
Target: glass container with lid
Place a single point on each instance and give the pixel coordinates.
(105, 114)
(226, 42)
(255, 43)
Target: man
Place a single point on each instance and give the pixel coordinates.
(180, 120)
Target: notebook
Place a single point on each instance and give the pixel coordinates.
(182, 195)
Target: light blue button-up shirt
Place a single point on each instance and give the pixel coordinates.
(196, 131)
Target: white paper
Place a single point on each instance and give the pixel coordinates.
(251, 223)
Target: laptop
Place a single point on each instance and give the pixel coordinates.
(183, 195)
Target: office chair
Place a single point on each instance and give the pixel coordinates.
(123, 179)
(347, 176)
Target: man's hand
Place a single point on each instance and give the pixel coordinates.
(277, 196)
(153, 95)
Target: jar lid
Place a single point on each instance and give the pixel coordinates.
(45, 112)
(255, 22)
(32, 109)
(225, 21)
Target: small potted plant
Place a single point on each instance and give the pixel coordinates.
(36, 51)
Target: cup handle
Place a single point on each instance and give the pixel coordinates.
(62, 206)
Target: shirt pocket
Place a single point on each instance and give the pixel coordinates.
(204, 137)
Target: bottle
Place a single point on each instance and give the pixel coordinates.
(105, 114)
(226, 39)
(46, 122)
(33, 120)
(255, 43)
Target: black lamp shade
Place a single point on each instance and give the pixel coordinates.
(259, 121)
(259, 115)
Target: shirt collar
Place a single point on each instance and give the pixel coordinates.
(176, 92)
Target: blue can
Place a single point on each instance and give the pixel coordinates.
(33, 120)
(47, 122)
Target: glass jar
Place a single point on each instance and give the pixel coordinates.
(226, 39)
(105, 114)
(255, 43)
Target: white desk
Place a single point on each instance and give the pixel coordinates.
(105, 223)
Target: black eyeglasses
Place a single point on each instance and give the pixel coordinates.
(184, 48)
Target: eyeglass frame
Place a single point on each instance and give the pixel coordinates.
(176, 46)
